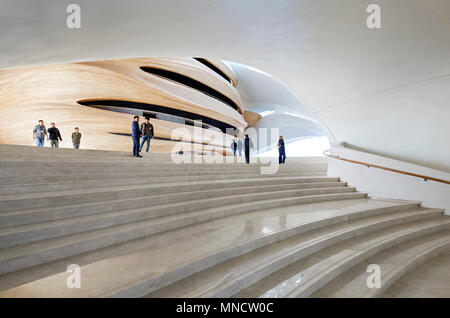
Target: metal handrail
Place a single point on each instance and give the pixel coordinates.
(426, 178)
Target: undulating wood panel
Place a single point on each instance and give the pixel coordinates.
(102, 97)
(251, 117)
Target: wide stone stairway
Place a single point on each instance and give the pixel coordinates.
(149, 227)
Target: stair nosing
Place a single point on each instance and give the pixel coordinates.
(414, 214)
(120, 212)
(78, 238)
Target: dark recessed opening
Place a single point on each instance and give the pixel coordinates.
(192, 123)
(176, 140)
(159, 109)
(213, 67)
(192, 83)
(149, 115)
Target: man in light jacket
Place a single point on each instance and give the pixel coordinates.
(40, 133)
(239, 147)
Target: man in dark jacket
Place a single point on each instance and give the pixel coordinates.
(247, 145)
(147, 133)
(76, 138)
(234, 147)
(54, 136)
(136, 136)
(281, 151)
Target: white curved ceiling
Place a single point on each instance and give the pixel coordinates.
(278, 106)
(259, 91)
(384, 90)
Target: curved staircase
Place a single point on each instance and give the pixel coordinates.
(152, 228)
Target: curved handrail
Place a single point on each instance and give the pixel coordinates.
(426, 178)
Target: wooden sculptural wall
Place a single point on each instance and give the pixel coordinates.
(80, 94)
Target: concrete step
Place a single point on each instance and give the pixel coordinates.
(138, 267)
(129, 191)
(43, 187)
(162, 176)
(28, 209)
(20, 151)
(33, 162)
(114, 156)
(306, 276)
(51, 169)
(32, 254)
(393, 264)
(230, 277)
(155, 207)
(69, 163)
(34, 152)
(428, 280)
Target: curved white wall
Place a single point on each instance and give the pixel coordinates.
(385, 90)
(278, 106)
(387, 184)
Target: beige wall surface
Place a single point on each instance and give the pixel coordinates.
(52, 93)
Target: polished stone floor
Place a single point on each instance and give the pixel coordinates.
(431, 279)
(159, 253)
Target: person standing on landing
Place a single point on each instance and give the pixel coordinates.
(147, 133)
(239, 147)
(281, 151)
(234, 147)
(247, 145)
(136, 136)
(54, 136)
(76, 138)
(40, 133)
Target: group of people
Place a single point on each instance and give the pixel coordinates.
(41, 134)
(236, 147)
(145, 130)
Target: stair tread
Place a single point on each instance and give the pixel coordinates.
(6, 252)
(393, 263)
(155, 172)
(35, 195)
(193, 182)
(294, 193)
(214, 281)
(157, 254)
(58, 167)
(302, 278)
(140, 198)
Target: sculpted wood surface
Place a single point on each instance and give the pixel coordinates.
(52, 93)
(225, 69)
(251, 118)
